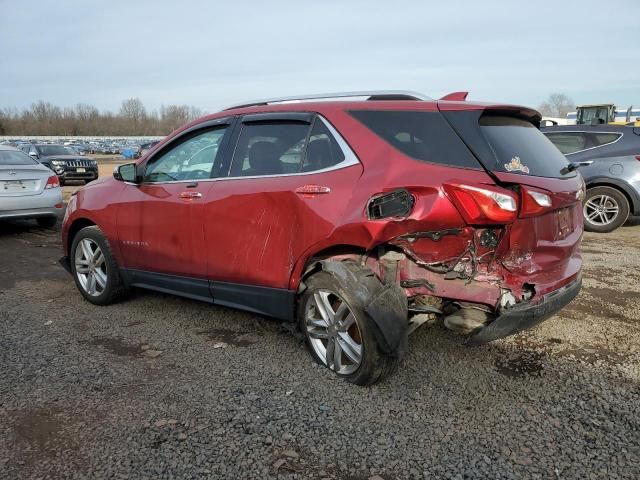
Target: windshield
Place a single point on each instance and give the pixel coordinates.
(13, 157)
(48, 150)
(519, 147)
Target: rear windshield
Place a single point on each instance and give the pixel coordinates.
(425, 136)
(520, 147)
(12, 157)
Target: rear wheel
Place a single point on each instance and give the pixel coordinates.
(605, 209)
(94, 269)
(339, 333)
(47, 222)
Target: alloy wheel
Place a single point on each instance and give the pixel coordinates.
(91, 268)
(333, 331)
(601, 209)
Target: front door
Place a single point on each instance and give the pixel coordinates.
(160, 220)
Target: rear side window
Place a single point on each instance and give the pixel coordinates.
(601, 139)
(322, 150)
(520, 147)
(569, 142)
(269, 148)
(425, 136)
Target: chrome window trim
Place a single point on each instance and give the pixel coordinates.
(584, 131)
(350, 159)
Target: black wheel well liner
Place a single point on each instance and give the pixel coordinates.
(75, 227)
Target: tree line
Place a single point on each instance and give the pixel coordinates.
(133, 118)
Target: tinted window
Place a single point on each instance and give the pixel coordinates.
(422, 135)
(519, 147)
(55, 150)
(12, 157)
(322, 150)
(569, 142)
(600, 139)
(192, 158)
(269, 148)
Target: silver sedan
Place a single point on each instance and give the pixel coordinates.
(27, 188)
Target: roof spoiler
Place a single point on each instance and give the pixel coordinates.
(455, 97)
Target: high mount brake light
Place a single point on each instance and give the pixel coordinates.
(52, 182)
(483, 205)
(534, 202)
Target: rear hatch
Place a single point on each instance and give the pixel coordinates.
(21, 180)
(510, 146)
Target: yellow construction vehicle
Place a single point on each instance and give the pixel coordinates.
(605, 113)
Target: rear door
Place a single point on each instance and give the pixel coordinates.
(289, 180)
(515, 152)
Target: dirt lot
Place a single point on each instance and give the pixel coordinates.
(161, 387)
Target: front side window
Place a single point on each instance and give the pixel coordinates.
(192, 158)
(569, 142)
(269, 148)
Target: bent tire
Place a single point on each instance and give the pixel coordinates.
(339, 333)
(94, 269)
(605, 209)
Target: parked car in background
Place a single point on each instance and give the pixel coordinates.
(68, 164)
(27, 188)
(145, 147)
(356, 219)
(613, 179)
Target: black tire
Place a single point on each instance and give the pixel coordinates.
(115, 288)
(47, 222)
(61, 182)
(374, 365)
(616, 197)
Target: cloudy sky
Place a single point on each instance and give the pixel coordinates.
(213, 53)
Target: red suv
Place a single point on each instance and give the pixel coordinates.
(357, 219)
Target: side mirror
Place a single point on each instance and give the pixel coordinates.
(126, 173)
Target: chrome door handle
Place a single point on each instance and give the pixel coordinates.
(190, 195)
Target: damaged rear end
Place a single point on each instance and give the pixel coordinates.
(506, 255)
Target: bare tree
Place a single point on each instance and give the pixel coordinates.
(557, 105)
(44, 118)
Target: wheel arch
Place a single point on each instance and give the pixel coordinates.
(77, 225)
(622, 187)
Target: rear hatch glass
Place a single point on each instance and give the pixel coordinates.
(509, 144)
(519, 147)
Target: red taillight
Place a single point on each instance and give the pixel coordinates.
(52, 182)
(534, 202)
(638, 157)
(482, 205)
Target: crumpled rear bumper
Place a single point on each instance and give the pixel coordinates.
(526, 316)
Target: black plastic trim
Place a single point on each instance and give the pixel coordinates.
(301, 117)
(273, 302)
(522, 317)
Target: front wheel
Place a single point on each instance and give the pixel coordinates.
(94, 269)
(339, 333)
(605, 209)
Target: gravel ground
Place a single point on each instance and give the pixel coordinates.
(161, 387)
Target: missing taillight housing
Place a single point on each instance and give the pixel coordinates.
(394, 204)
(484, 205)
(52, 182)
